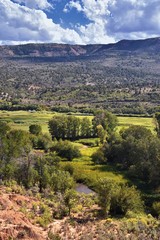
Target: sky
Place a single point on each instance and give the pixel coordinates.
(78, 21)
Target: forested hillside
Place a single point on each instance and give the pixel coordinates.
(122, 77)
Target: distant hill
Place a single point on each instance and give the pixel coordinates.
(65, 50)
(123, 77)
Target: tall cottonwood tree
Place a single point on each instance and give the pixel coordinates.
(106, 119)
(86, 128)
(69, 127)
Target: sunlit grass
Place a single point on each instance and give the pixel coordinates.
(88, 151)
(124, 122)
(85, 170)
(23, 119)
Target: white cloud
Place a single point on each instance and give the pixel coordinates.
(71, 5)
(141, 17)
(109, 20)
(20, 23)
(36, 4)
(93, 9)
(118, 19)
(95, 33)
(98, 13)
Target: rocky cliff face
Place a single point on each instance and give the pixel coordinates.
(64, 50)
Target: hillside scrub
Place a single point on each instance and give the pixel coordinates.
(116, 198)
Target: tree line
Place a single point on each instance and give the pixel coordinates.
(72, 128)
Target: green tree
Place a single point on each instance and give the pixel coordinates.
(61, 181)
(66, 149)
(157, 118)
(15, 148)
(35, 129)
(116, 198)
(138, 151)
(58, 127)
(70, 197)
(43, 176)
(98, 157)
(45, 166)
(73, 128)
(44, 141)
(86, 128)
(105, 189)
(19, 143)
(26, 174)
(106, 119)
(126, 199)
(101, 133)
(137, 132)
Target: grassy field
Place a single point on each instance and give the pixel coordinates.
(23, 119)
(142, 121)
(85, 170)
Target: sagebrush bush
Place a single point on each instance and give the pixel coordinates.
(117, 198)
(156, 208)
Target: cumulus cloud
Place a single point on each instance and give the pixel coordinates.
(20, 23)
(118, 19)
(71, 5)
(36, 4)
(134, 17)
(98, 13)
(24, 21)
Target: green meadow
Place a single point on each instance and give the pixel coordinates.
(23, 119)
(85, 170)
(124, 122)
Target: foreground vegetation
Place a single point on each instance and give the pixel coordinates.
(122, 167)
(39, 216)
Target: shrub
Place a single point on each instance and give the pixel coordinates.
(69, 168)
(35, 129)
(156, 208)
(53, 236)
(45, 215)
(61, 181)
(66, 149)
(126, 199)
(98, 157)
(116, 198)
(105, 189)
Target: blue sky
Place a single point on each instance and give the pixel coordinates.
(78, 21)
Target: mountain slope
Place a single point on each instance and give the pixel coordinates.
(64, 50)
(123, 77)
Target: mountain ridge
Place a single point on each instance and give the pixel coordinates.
(123, 77)
(67, 50)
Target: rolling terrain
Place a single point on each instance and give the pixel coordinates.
(122, 77)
